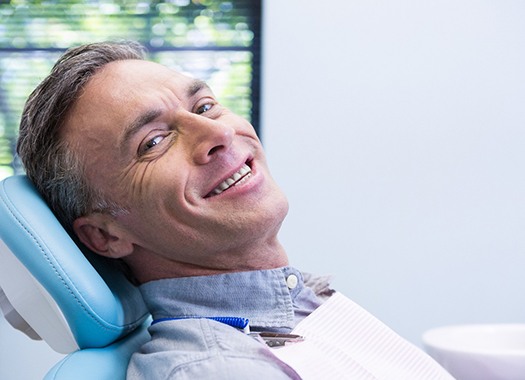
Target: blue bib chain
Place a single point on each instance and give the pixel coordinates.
(237, 322)
(269, 338)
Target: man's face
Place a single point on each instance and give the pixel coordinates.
(192, 175)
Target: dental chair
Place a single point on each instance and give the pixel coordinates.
(54, 289)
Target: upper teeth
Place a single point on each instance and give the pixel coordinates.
(233, 180)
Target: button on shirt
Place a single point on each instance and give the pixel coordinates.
(186, 345)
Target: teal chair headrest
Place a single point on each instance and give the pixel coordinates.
(50, 283)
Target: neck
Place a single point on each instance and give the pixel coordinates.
(149, 266)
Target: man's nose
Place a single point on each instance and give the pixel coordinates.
(210, 137)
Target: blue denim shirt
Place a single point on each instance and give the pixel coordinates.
(198, 348)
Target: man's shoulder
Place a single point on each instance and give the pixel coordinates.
(194, 348)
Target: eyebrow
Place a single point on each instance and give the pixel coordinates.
(137, 124)
(148, 116)
(196, 86)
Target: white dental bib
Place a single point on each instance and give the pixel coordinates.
(343, 341)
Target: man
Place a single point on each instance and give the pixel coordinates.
(145, 166)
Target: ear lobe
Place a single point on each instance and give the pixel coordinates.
(96, 233)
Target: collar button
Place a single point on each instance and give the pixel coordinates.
(292, 281)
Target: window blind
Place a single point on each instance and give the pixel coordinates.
(217, 41)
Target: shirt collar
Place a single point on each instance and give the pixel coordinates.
(263, 296)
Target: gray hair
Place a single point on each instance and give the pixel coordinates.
(50, 163)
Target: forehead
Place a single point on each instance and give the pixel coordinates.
(135, 76)
(120, 90)
(116, 95)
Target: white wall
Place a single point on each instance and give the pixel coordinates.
(22, 358)
(397, 129)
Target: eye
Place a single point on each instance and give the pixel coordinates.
(204, 108)
(154, 141)
(151, 143)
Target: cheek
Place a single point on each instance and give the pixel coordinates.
(156, 190)
(144, 181)
(158, 228)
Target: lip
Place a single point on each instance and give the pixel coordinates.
(237, 188)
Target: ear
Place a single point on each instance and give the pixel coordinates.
(101, 235)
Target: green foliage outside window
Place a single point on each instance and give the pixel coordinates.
(213, 40)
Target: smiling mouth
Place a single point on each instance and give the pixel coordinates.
(237, 178)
